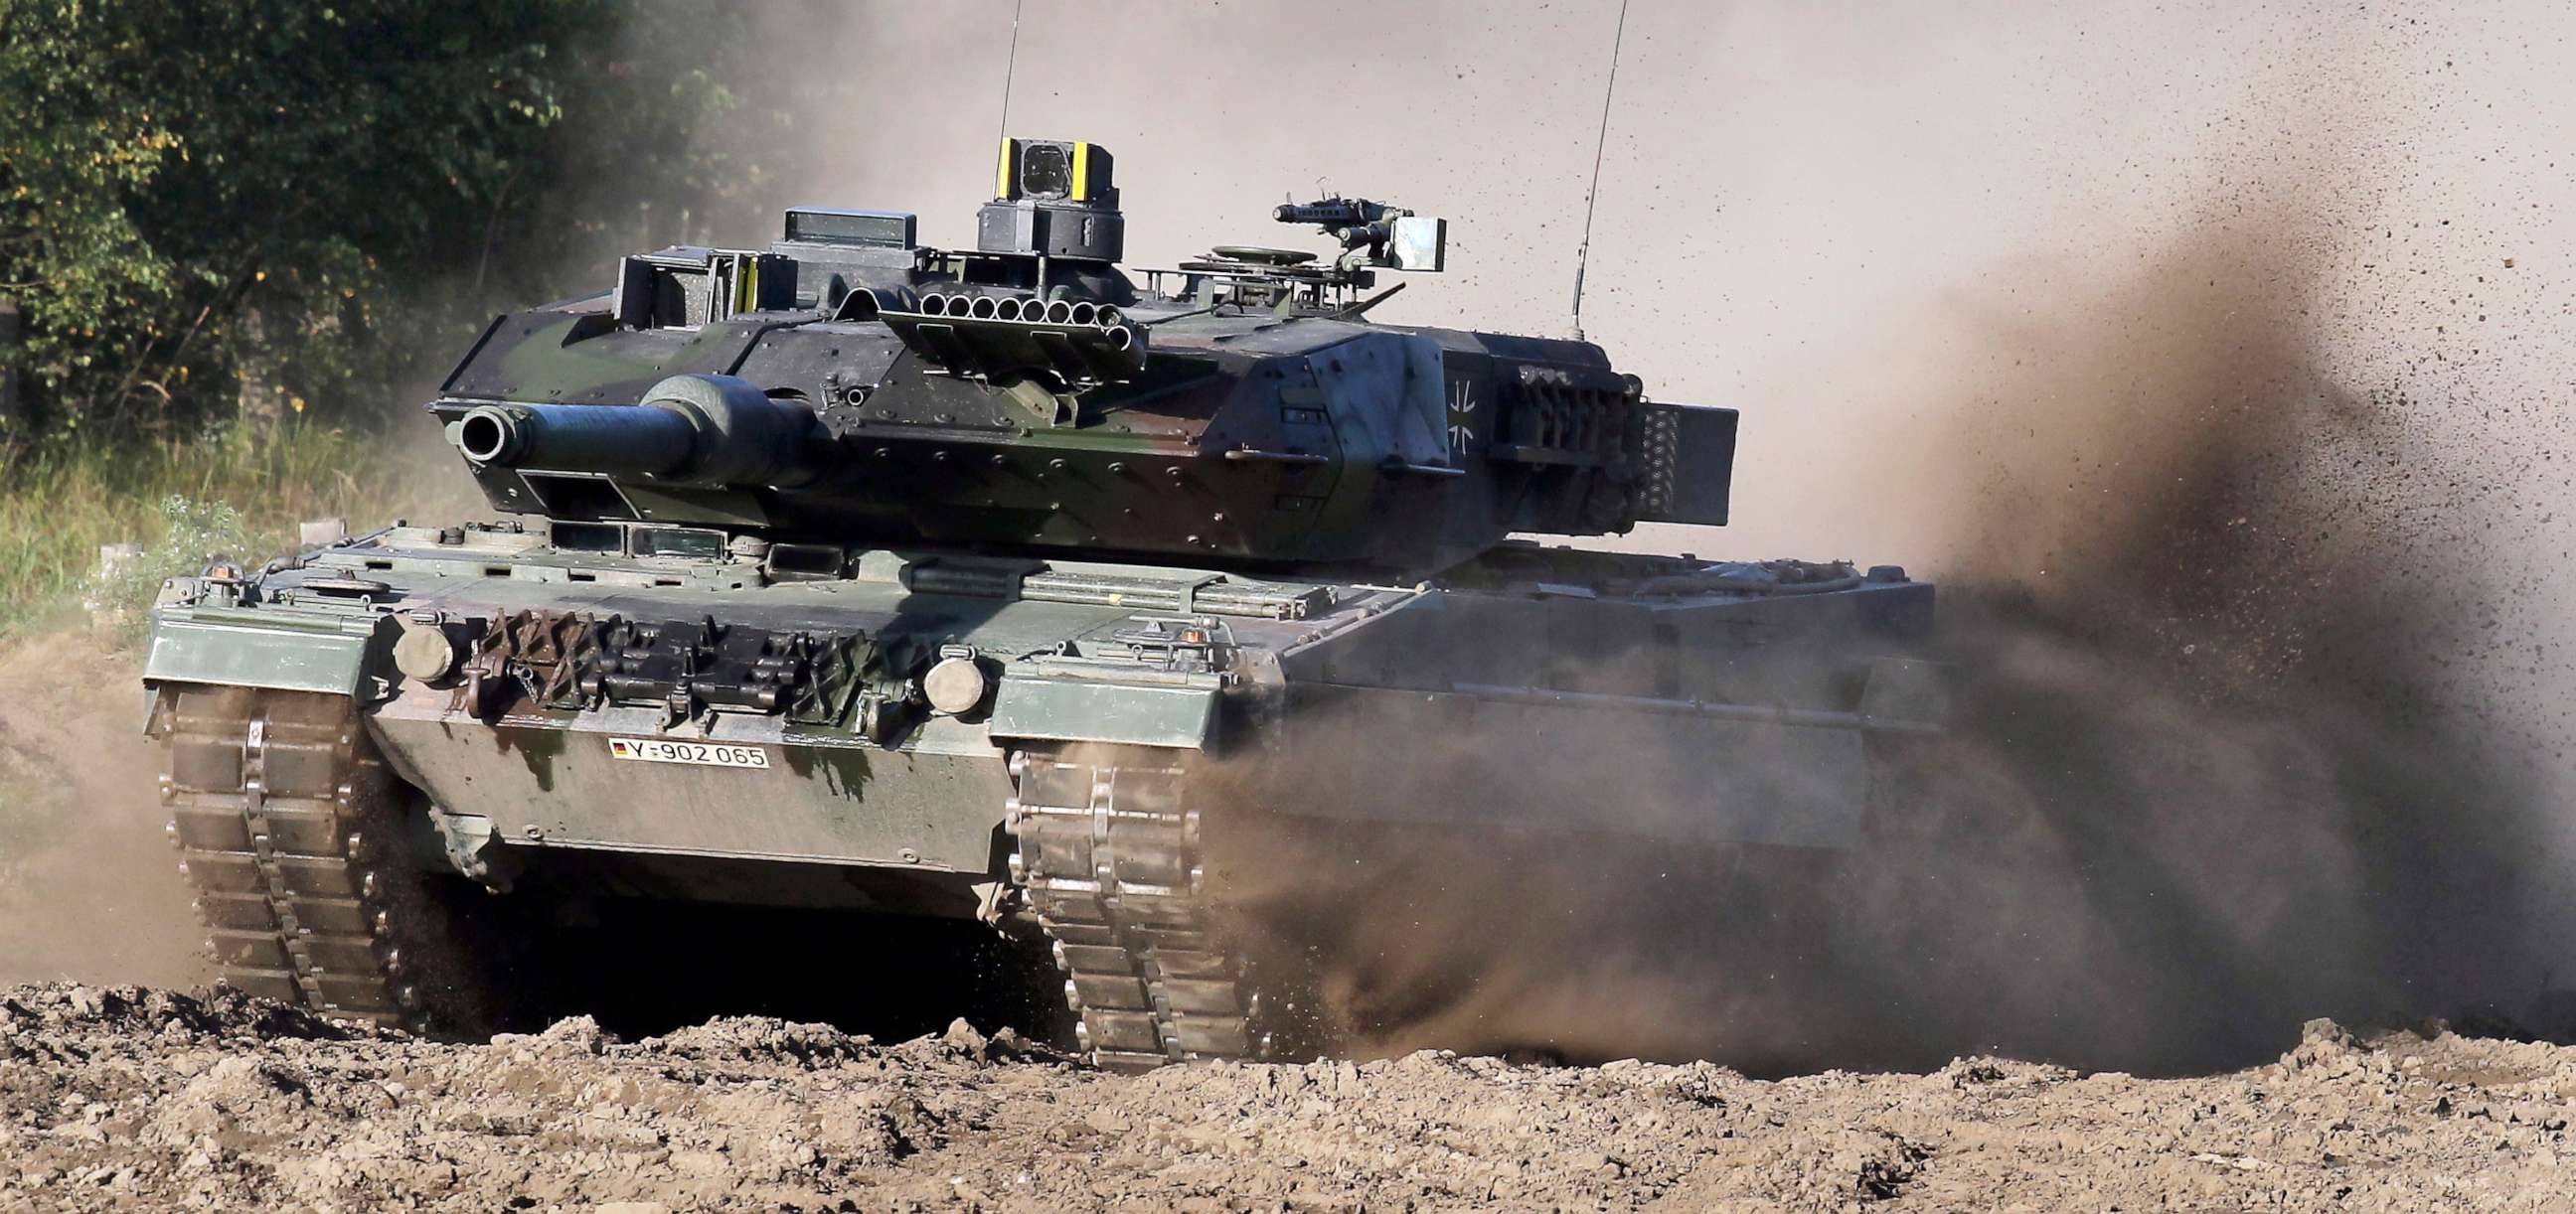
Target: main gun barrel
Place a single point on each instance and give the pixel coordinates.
(578, 438)
(689, 429)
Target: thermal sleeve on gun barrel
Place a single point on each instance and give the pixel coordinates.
(689, 429)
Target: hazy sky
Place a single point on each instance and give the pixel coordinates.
(1799, 202)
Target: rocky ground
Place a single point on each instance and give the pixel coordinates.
(127, 1098)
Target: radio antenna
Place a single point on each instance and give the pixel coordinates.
(1592, 194)
(1010, 68)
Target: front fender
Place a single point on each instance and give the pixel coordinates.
(281, 649)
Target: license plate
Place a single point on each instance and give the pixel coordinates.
(704, 754)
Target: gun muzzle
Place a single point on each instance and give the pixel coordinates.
(689, 429)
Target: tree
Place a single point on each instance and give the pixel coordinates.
(168, 167)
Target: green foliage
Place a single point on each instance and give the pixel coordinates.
(244, 486)
(212, 206)
(246, 233)
(168, 165)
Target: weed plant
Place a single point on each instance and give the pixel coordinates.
(236, 491)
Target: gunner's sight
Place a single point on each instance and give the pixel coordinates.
(1053, 198)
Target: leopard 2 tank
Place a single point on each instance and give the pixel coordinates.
(1002, 585)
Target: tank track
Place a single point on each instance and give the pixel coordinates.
(1108, 856)
(278, 805)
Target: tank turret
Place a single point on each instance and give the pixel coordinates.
(850, 386)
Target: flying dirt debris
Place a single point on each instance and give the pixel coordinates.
(1172, 623)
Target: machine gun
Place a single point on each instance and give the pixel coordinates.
(1374, 233)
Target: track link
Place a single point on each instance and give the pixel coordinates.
(1109, 858)
(280, 809)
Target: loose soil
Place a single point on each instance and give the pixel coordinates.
(129, 1098)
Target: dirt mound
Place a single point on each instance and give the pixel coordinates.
(143, 1099)
(37, 1014)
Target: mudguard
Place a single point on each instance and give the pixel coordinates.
(268, 648)
(1088, 710)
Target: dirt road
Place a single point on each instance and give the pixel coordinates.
(134, 1099)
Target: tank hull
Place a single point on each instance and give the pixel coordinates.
(1725, 717)
(1542, 694)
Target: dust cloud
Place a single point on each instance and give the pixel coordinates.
(2225, 637)
(89, 889)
